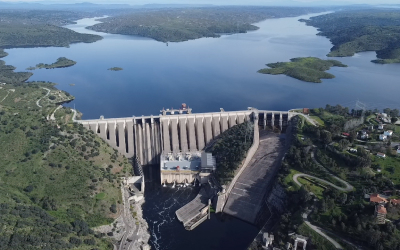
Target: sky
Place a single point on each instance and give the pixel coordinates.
(222, 2)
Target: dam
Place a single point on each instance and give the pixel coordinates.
(175, 141)
(175, 131)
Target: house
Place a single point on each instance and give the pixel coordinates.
(380, 214)
(380, 126)
(384, 115)
(346, 134)
(388, 133)
(376, 198)
(363, 135)
(352, 150)
(382, 137)
(382, 155)
(395, 201)
(398, 150)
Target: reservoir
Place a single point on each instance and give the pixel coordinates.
(207, 74)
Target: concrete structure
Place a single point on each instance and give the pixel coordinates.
(380, 214)
(267, 240)
(147, 137)
(300, 241)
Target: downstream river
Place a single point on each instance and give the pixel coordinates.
(207, 74)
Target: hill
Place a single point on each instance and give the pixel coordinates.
(362, 30)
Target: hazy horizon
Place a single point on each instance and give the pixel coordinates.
(215, 2)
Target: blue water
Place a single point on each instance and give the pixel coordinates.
(208, 73)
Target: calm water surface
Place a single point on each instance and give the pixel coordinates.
(207, 74)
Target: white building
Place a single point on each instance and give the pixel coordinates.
(382, 137)
(382, 155)
(398, 150)
(388, 133)
(380, 126)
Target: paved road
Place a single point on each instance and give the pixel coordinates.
(8, 92)
(74, 116)
(52, 115)
(319, 231)
(309, 119)
(346, 189)
(37, 102)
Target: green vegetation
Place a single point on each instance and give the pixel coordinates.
(230, 150)
(345, 215)
(57, 179)
(182, 24)
(308, 69)
(61, 62)
(362, 30)
(7, 74)
(3, 53)
(115, 69)
(17, 35)
(40, 29)
(319, 241)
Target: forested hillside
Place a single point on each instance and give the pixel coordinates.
(40, 29)
(182, 24)
(57, 179)
(366, 30)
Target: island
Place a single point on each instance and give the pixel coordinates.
(61, 62)
(308, 69)
(115, 69)
(362, 30)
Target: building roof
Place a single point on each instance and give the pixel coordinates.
(395, 201)
(381, 154)
(380, 209)
(377, 198)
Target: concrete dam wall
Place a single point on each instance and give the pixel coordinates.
(147, 137)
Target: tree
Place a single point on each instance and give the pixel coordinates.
(394, 113)
(326, 137)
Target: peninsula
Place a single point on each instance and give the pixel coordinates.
(362, 30)
(61, 62)
(58, 180)
(40, 28)
(115, 69)
(308, 69)
(183, 24)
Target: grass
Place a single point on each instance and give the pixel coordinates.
(390, 167)
(288, 181)
(320, 242)
(308, 69)
(312, 186)
(318, 120)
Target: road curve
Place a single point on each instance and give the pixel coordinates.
(305, 116)
(346, 189)
(37, 102)
(319, 231)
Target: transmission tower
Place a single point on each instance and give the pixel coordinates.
(361, 106)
